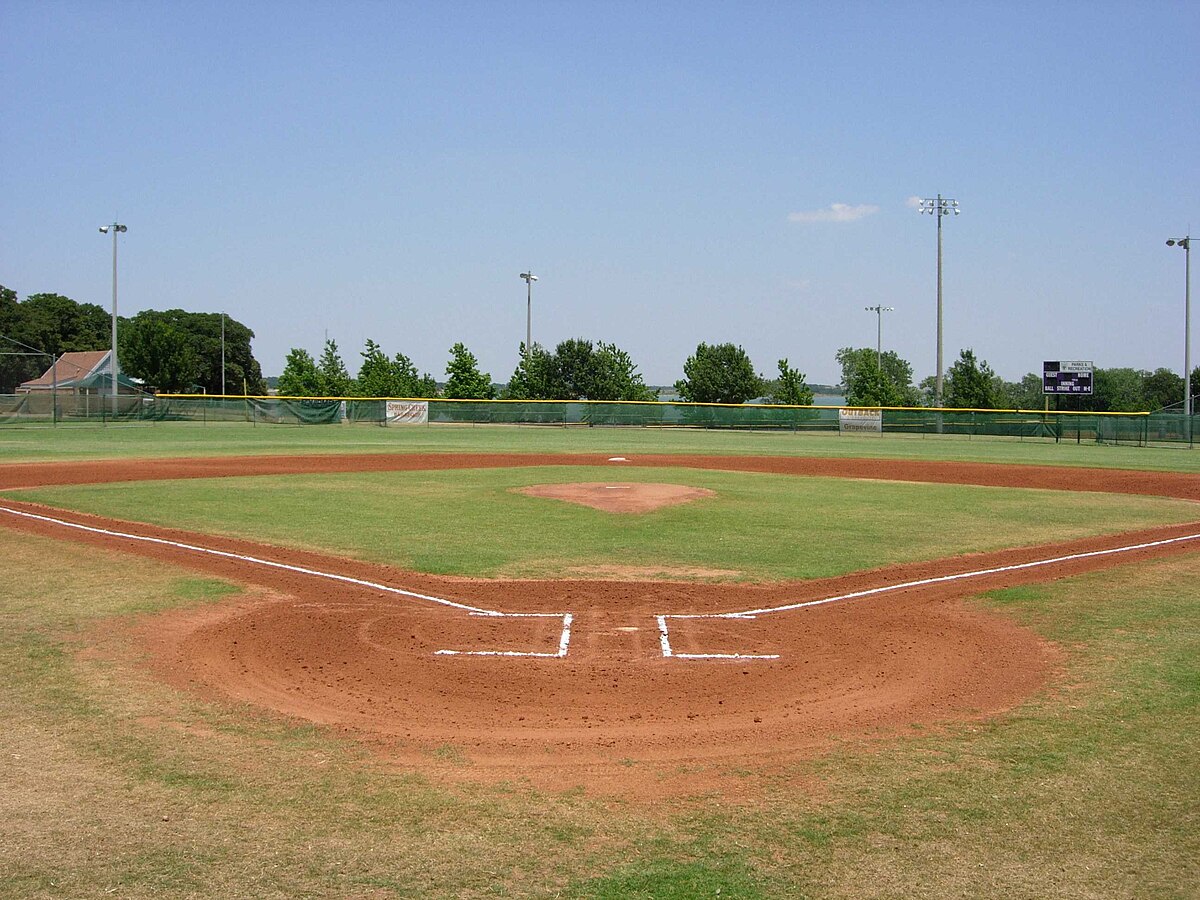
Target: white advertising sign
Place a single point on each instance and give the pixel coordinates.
(407, 412)
(864, 420)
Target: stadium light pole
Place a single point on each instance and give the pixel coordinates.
(530, 278)
(939, 206)
(879, 311)
(1186, 243)
(112, 363)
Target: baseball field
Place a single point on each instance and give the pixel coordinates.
(504, 662)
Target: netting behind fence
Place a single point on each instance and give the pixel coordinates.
(1114, 428)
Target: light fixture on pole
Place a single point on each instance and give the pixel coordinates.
(1186, 244)
(939, 206)
(112, 363)
(879, 311)
(530, 278)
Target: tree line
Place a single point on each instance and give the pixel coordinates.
(576, 369)
(172, 350)
(970, 383)
(179, 351)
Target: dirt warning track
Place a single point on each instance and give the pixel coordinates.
(598, 682)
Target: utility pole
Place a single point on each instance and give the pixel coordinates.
(113, 369)
(940, 206)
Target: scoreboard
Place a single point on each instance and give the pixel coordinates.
(1067, 377)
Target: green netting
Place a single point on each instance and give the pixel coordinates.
(1130, 428)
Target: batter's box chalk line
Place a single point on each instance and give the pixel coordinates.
(564, 640)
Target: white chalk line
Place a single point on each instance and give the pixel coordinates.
(665, 641)
(564, 641)
(565, 638)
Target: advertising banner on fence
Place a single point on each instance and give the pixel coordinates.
(852, 420)
(407, 412)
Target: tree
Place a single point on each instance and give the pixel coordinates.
(533, 378)
(895, 369)
(466, 382)
(395, 377)
(15, 338)
(970, 383)
(615, 377)
(300, 377)
(870, 386)
(242, 370)
(572, 370)
(153, 348)
(928, 390)
(1023, 394)
(1113, 390)
(1120, 390)
(58, 324)
(577, 370)
(789, 389)
(333, 378)
(720, 373)
(1162, 388)
(203, 334)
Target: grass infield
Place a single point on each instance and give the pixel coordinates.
(757, 528)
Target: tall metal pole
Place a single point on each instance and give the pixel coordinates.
(113, 360)
(530, 278)
(113, 368)
(1186, 243)
(222, 354)
(939, 207)
(1187, 333)
(940, 366)
(879, 311)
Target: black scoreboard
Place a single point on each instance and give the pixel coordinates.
(1067, 377)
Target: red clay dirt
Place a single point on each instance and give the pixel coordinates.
(614, 714)
(619, 497)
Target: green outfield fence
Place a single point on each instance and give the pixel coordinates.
(1140, 429)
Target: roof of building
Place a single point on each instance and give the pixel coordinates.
(69, 369)
(78, 369)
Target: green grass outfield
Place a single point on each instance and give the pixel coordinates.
(169, 439)
(112, 784)
(757, 527)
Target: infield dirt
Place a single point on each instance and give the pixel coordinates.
(614, 713)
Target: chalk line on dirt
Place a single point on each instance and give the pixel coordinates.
(564, 640)
(665, 641)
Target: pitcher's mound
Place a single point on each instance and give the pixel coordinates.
(620, 497)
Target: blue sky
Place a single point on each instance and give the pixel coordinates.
(670, 171)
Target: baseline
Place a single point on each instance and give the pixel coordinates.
(665, 640)
(564, 640)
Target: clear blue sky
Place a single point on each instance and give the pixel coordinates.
(670, 171)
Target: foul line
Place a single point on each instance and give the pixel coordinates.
(665, 641)
(563, 643)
